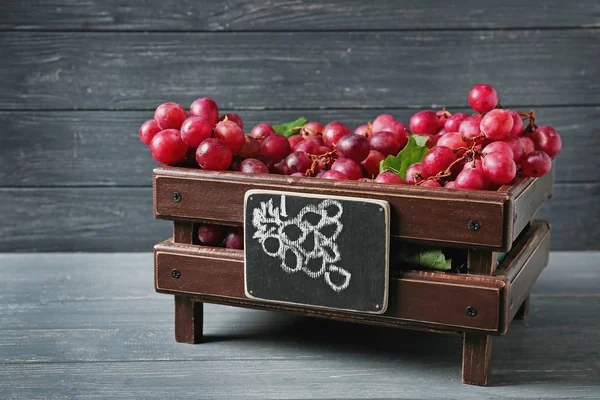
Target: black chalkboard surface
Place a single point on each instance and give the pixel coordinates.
(314, 250)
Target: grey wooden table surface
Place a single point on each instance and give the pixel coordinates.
(90, 326)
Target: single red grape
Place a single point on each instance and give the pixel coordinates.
(470, 178)
(308, 146)
(497, 124)
(348, 167)
(386, 143)
(353, 146)
(450, 185)
(250, 149)
(483, 98)
(261, 131)
(453, 140)
(148, 130)
(311, 129)
(416, 173)
(372, 163)
(442, 117)
(382, 122)
(547, 140)
(332, 174)
(231, 134)
(469, 127)
(210, 235)
(517, 128)
(297, 161)
(253, 166)
(453, 122)
(528, 144)
(425, 123)
(300, 174)
(364, 130)
(499, 147)
(516, 145)
(536, 164)
(167, 147)
(294, 140)
(389, 177)
(170, 115)
(268, 161)
(323, 150)
(499, 168)
(438, 159)
(275, 146)
(194, 130)
(214, 154)
(207, 109)
(279, 168)
(333, 132)
(399, 129)
(431, 183)
(235, 239)
(432, 141)
(233, 117)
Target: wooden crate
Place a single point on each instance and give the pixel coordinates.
(478, 304)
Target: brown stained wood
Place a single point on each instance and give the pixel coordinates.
(481, 262)
(188, 320)
(183, 232)
(477, 359)
(523, 311)
(219, 196)
(428, 299)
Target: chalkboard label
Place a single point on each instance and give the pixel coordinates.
(320, 251)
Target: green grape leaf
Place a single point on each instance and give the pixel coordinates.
(425, 257)
(413, 152)
(287, 129)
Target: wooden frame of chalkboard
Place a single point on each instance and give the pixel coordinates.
(477, 305)
(368, 247)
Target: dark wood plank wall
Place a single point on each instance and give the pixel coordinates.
(78, 78)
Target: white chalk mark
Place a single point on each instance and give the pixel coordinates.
(283, 209)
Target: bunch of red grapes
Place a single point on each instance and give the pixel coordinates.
(481, 151)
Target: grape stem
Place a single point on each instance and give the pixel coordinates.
(531, 116)
(326, 158)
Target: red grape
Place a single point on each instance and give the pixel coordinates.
(382, 122)
(416, 173)
(483, 98)
(432, 141)
(233, 117)
(210, 235)
(454, 140)
(275, 146)
(167, 147)
(207, 109)
(547, 140)
(425, 123)
(431, 183)
(333, 132)
(311, 129)
(386, 143)
(231, 134)
(261, 131)
(332, 174)
(236, 164)
(450, 184)
(499, 168)
(148, 130)
(364, 130)
(469, 128)
(323, 150)
(470, 178)
(442, 117)
(537, 163)
(496, 124)
(353, 146)
(250, 149)
(300, 174)
(268, 161)
(528, 144)
(516, 145)
(214, 154)
(499, 147)
(365, 180)
(235, 239)
(453, 122)
(308, 146)
(517, 128)
(399, 129)
(389, 177)
(194, 130)
(170, 115)
(372, 162)
(253, 166)
(297, 161)
(438, 159)
(279, 168)
(294, 140)
(348, 167)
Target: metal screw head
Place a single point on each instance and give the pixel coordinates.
(474, 225)
(471, 311)
(175, 273)
(177, 197)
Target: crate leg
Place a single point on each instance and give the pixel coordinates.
(477, 358)
(523, 310)
(188, 320)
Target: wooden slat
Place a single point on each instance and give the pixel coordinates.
(289, 70)
(102, 148)
(232, 15)
(120, 219)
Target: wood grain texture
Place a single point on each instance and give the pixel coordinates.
(189, 318)
(119, 219)
(233, 15)
(297, 69)
(89, 326)
(477, 359)
(87, 148)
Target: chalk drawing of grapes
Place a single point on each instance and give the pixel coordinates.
(304, 243)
